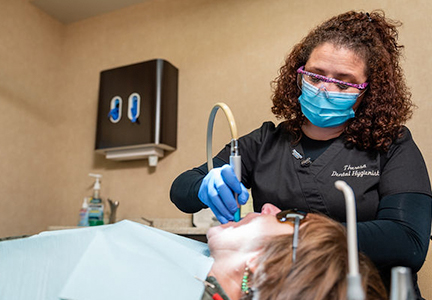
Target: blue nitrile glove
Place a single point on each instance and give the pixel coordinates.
(216, 191)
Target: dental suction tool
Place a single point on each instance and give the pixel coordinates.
(401, 284)
(354, 289)
(235, 159)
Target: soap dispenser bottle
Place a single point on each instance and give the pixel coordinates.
(96, 206)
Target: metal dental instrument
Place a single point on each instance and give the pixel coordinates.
(355, 289)
(235, 159)
(235, 162)
(401, 284)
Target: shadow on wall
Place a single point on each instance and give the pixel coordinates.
(33, 105)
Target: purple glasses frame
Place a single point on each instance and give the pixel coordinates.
(360, 86)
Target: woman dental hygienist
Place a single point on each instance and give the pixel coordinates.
(343, 98)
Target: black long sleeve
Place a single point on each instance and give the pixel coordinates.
(400, 234)
(184, 189)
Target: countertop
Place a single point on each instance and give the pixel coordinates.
(174, 225)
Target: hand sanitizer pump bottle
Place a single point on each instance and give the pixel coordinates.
(96, 207)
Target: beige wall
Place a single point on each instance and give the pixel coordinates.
(30, 61)
(225, 50)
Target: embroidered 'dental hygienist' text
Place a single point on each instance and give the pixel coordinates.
(355, 171)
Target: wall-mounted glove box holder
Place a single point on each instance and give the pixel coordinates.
(137, 112)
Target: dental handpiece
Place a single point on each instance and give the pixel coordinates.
(235, 163)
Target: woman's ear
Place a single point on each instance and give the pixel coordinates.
(252, 262)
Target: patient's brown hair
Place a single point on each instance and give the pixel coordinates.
(320, 269)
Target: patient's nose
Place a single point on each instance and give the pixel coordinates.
(269, 209)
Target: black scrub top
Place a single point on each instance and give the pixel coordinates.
(392, 190)
(281, 174)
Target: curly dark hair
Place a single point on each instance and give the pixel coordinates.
(386, 105)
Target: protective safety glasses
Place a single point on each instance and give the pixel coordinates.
(336, 85)
(296, 217)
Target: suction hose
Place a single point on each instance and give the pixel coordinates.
(235, 159)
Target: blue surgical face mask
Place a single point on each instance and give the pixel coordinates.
(324, 108)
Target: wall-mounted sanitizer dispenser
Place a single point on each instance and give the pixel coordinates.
(137, 114)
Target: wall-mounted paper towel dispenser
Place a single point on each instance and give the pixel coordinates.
(137, 112)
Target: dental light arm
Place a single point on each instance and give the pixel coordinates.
(354, 290)
(235, 159)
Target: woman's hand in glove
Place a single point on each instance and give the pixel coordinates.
(216, 191)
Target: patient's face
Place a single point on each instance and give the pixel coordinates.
(247, 234)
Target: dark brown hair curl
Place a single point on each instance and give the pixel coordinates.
(386, 105)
